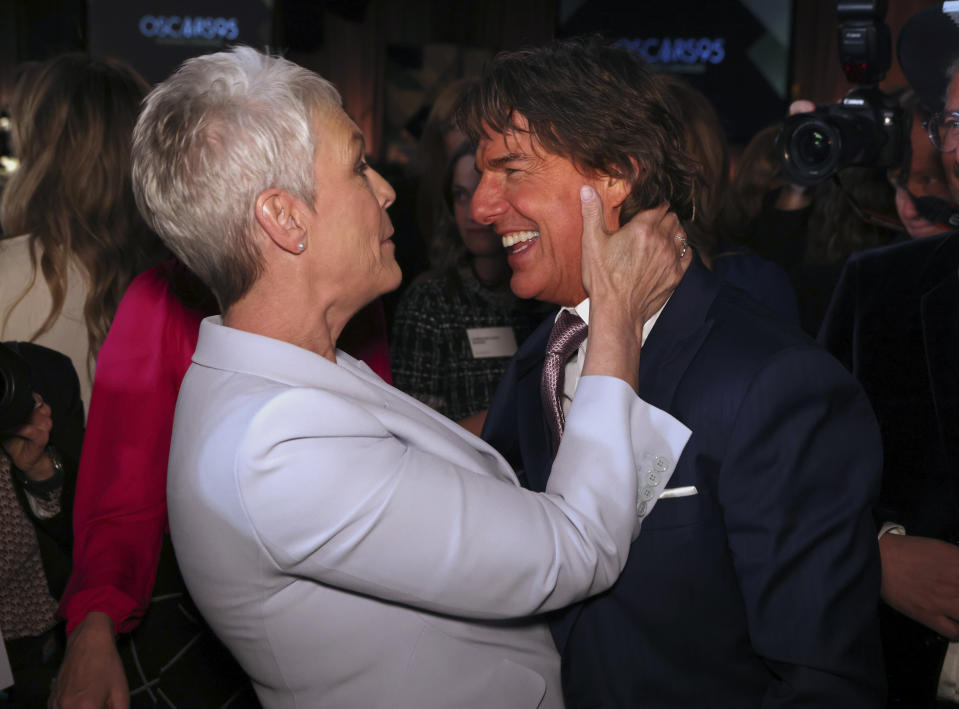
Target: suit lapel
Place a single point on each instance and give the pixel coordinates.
(677, 336)
(940, 332)
(534, 435)
(672, 344)
(939, 309)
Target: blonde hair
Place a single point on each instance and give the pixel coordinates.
(72, 118)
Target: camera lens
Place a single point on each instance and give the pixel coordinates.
(813, 146)
(810, 148)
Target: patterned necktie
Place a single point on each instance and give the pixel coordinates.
(567, 335)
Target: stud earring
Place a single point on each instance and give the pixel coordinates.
(301, 247)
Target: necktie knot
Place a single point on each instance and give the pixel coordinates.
(567, 335)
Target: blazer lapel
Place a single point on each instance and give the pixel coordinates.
(667, 353)
(534, 436)
(677, 336)
(940, 331)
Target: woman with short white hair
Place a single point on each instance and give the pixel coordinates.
(351, 546)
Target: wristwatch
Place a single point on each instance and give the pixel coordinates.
(44, 489)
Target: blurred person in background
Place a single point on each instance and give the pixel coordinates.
(811, 231)
(923, 200)
(419, 204)
(440, 140)
(758, 172)
(894, 322)
(711, 224)
(41, 430)
(72, 238)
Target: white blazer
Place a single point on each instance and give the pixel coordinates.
(353, 548)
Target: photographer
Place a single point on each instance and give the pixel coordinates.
(894, 322)
(810, 231)
(41, 429)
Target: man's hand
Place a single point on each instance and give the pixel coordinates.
(920, 577)
(628, 275)
(91, 676)
(27, 446)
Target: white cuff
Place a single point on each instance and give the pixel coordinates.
(891, 528)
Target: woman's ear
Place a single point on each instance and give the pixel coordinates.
(282, 217)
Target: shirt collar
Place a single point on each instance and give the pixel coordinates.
(582, 309)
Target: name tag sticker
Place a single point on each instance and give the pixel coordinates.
(491, 341)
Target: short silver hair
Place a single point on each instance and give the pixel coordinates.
(211, 138)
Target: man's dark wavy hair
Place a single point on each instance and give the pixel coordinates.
(597, 105)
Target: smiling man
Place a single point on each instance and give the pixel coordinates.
(755, 582)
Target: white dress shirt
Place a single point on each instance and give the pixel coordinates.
(574, 367)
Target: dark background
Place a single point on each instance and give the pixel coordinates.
(389, 57)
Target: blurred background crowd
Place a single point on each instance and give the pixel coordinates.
(72, 76)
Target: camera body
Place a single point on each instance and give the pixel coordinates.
(867, 127)
(16, 389)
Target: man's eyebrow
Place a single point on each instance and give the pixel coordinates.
(499, 162)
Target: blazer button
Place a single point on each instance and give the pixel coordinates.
(646, 493)
(653, 479)
(641, 509)
(660, 463)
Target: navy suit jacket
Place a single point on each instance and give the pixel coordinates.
(762, 589)
(894, 322)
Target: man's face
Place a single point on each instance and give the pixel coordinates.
(949, 159)
(531, 199)
(926, 179)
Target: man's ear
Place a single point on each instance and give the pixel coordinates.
(617, 189)
(614, 192)
(282, 218)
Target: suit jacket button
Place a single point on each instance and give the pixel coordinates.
(641, 509)
(646, 493)
(660, 463)
(652, 479)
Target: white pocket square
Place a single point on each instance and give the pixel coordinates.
(685, 491)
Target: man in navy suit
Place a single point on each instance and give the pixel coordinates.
(894, 322)
(755, 581)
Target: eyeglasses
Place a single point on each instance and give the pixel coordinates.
(943, 129)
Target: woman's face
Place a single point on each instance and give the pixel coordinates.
(479, 240)
(353, 250)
